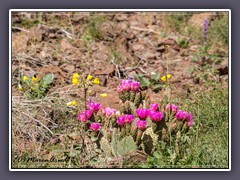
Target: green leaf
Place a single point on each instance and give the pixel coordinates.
(156, 76)
(145, 82)
(157, 87)
(93, 138)
(48, 79)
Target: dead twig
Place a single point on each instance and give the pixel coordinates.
(117, 67)
(147, 30)
(21, 29)
(68, 34)
(38, 122)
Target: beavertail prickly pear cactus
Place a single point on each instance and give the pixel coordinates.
(106, 147)
(126, 145)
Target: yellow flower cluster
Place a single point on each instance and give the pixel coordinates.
(75, 78)
(72, 103)
(104, 95)
(165, 78)
(34, 79)
(89, 78)
(95, 81)
(24, 78)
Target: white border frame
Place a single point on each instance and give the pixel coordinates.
(117, 10)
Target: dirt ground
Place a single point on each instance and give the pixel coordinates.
(130, 43)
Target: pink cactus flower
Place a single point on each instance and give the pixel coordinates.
(95, 126)
(135, 86)
(156, 116)
(154, 107)
(184, 116)
(126, 85)
(94, 106)
(108, 111)
(85, 115)
(190, 123)
(129, 118)
(171, 107)
(190, 117)
(119, 89)
(141, 124)
(181, 115)
(121, 120)
(142, 113)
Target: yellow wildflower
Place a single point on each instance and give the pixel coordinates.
(96, 81)
(74, 81)
(75, 75)
(103, 95)
(89, 77)
(20, 87)
(25, 78)
(74, 103)
(164, 78)
(34, 79)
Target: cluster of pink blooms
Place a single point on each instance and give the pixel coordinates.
(87, 114)
(108, 111)
(128, 85)
(125, 119)
(184, 116)
(172, 108)
(152, 113)
(180, 114)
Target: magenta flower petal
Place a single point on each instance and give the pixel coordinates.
(95, 126)
(172, 108)
(141, 124)
(85, 115)
(94, 106)
(108, 111)
(154, 107)
(135, 86)
(156, 116)
(129, 118)
(121, 120)
(142, 113)
(190, 123)
(184, 116)
(126, 85)
(119, 89)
